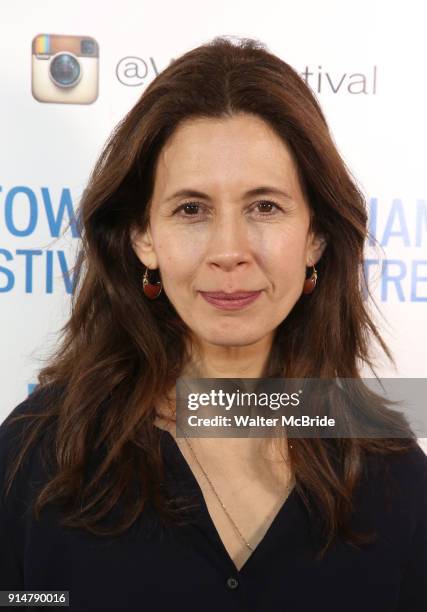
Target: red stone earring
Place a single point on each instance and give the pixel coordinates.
(310, 283)
(151, 290)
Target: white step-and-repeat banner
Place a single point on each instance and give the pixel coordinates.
(365, 62)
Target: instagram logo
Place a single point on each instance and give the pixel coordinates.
(64, 69)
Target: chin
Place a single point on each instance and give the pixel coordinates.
(232, 337)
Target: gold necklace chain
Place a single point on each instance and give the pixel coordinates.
(218, 497)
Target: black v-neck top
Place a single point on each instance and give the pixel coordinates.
(187, 567)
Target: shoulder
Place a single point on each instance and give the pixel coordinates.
(410, 474)
(408, 469)
(29, 410)
(396, 483)
(35, 403)
(16, 428)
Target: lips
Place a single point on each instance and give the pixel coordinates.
(221, 295)
(230, 301)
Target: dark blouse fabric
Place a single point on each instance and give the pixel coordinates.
(188, 568)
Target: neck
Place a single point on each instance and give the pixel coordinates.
(212, 361)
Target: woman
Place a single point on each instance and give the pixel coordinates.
(222, 179)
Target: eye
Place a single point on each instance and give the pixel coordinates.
(188, 206)
(268, 203)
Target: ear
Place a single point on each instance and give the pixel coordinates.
(316, 246)
(142, 244)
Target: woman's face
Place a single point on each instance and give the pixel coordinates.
(224, 238)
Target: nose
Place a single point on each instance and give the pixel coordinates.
(229, 242)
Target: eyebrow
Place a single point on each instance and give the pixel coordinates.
(191, 193)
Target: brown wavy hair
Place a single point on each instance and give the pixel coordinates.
(120, 353)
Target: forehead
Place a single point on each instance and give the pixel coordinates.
(221, 151)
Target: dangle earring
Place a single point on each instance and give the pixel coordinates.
(310, 282)
(151, 290)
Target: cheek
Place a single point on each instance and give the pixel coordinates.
(284, 251)
(177, 259)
